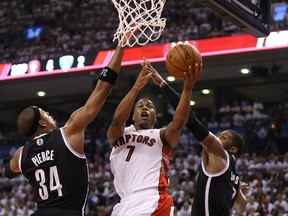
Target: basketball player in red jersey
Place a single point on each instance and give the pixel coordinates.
(140, 154)
(53, 160)
(218, 188)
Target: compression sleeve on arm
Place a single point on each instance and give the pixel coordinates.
(171, 95)
(199, 131)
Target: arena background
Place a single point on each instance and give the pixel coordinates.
(66, 91)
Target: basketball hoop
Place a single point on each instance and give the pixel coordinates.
(141, 19)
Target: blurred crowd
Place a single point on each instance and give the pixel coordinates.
(83, 27)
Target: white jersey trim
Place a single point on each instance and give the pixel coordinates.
(19, 160)
(206, 200)
(87, 193)
(69, 146)
(218, 173)
(210, 177)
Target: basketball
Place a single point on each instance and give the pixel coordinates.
(180, 57)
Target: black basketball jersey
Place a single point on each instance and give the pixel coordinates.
(215, 193)
(57, 173)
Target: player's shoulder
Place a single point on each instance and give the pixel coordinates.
(18, 151)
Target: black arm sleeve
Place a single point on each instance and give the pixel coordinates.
(8, 173)
(194, 125)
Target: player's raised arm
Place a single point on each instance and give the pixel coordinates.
(124, 109)
(174, 129)
(200, 132)
(78, 121)
(107, 78)
(193, 124)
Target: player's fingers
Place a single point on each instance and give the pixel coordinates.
(200, 68)
(152, 70)
(145, 60)
(147, 77)
(188, 74)
(144, 69)
(197, 71)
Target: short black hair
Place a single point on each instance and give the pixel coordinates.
(238, 142)
(26, 121)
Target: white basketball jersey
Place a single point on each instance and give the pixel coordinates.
(139, 162)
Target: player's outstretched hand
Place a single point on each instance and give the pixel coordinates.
(193, 75)
(129, 36)
(157, 79)
(143, 77)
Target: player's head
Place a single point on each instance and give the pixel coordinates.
(33, 121)
(144, 114)
(232, 142)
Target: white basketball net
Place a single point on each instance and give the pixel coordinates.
(140, 21)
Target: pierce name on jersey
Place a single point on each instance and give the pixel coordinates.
(43, 156)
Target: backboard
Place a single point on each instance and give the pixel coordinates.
(252, 16)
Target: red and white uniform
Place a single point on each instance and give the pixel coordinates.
(140, 165)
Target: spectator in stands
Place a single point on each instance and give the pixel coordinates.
(235, 107)
(205, 28)
(258, 109)
(193, 30)
(281, 202)
(252, 205)
(238, 119)
(185, 209)
(212, 124)
(216, 32)
(224, 109)
(267, 205)
(247, 109)
(224, 123)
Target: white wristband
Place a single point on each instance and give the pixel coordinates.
(162, 83)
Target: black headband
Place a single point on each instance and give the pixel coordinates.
(35, 123)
